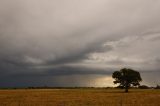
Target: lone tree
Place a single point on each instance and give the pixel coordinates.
(126, 78)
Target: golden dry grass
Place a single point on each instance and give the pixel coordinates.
(79, 97)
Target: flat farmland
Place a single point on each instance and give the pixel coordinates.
(79, 97)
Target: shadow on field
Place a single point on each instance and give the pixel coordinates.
(121, 91)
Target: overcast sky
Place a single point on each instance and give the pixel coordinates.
(78, 42)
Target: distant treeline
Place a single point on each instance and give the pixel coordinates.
(69, 87)
(47, 87)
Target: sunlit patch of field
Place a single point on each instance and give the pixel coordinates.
(79, 97)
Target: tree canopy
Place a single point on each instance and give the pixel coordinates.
(126, 78)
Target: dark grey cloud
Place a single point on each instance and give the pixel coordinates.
(58, 76)
(40, 39)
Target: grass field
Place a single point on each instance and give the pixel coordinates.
(79, 97)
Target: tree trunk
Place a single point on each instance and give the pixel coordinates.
(126, 89)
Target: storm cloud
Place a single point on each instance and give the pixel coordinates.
(47, 42)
